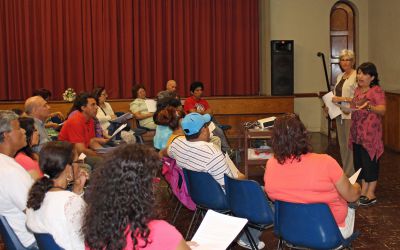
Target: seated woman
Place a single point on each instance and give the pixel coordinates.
(295, 174)
(51, 208)
(120, 204)
(26, 157)
(139, 109)
(105, 114)
(162, 119)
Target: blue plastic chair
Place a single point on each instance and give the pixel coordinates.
(10, 239)
(46, 242)
(206, 193)
(308, 226)
(247, 200)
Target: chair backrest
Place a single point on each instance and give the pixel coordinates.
(173, 174)
(247, 200)
(307, 225)
(10, 239)
(46, 242)
(205, 190)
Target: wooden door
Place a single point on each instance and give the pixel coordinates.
(342, 31)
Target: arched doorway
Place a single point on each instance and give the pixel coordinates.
(342, 34)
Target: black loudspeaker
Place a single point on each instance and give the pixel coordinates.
(282, 77)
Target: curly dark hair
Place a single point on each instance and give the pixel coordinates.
(80, 101)
(170, 117)
(27, 123)
(135, 90)
(120, 196)
(289, 138)
(195, 85)
(53, 159)
(369, 68)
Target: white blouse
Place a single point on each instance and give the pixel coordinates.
(104, 116)
(61, 216)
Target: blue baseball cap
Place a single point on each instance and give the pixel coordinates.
(193, 122)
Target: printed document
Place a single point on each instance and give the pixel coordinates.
(333, 109)
(217, 231)
(151, 105)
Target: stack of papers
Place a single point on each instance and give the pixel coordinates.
(123, 118)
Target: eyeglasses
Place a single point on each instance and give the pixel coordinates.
(346, 60)
(104, 94)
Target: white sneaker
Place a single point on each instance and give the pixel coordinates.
(260, 244)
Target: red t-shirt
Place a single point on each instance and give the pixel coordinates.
(77, 130)
(311, 180)
(199, 105)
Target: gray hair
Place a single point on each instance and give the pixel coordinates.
(6, 116)
(347, 53)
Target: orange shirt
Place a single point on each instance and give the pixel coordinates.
(311, 180)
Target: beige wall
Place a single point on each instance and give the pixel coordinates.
(384, 37)
(307, 23)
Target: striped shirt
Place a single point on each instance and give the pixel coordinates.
(200, 156)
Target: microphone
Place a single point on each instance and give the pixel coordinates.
(320, 54)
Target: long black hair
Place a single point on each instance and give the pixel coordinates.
(27, 123)
(53, 159)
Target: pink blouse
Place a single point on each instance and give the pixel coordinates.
(28, 163)
(366, 126)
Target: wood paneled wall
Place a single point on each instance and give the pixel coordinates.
(233, 111)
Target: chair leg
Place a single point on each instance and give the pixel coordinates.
(176, 211)
(191, 223)
(250, 238)
(280, 244)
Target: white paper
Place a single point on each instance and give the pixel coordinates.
(217, 231)
(123, 118)
(82, 156)
(119, 129)
(211, 127)
(151, 105)
(333, 109)
(354, 177)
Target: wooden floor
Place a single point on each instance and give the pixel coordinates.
(379, 224)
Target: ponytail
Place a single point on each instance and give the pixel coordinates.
(38, 192)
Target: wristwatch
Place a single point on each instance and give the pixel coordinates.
(369, 108)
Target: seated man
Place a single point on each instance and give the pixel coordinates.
(39, 109)
(15, 181)
(196, 152)
(196, 103)
(80, 128)
(170, 90)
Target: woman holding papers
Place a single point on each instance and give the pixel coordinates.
(105, 114)
(139, 107)
(366, 129)
(120, 204)
(295, 174)
(343, 94)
